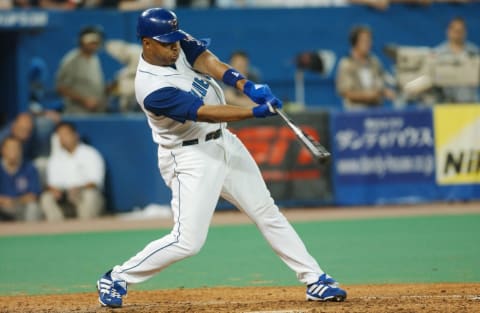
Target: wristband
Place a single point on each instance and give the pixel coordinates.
(231, 77)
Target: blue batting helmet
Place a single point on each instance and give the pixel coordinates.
(159, 24)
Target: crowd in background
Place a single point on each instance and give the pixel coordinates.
(171, 4)
(48, 172)
(362, 81)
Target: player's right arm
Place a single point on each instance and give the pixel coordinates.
(224, 113)
(181, 106)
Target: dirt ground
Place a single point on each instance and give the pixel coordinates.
(429, 298)
(448, 298)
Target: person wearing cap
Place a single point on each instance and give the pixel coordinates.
(201, 160)
(80, 79)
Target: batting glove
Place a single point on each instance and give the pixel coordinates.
(267, 109)
(257, 92)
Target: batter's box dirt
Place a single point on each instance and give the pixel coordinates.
(412, 298)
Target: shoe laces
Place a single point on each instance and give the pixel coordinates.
(108, 287)
(115, 294)
(325, 280)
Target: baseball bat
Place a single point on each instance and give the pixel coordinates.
(318, 151)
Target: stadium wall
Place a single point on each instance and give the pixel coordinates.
(379, 157)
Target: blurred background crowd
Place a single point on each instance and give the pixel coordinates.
(48, 171)
(172, 4)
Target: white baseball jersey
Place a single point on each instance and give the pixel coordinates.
(166, 131)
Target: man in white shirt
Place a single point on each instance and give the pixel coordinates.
(75, 176)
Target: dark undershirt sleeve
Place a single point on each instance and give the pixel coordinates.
(174, 103)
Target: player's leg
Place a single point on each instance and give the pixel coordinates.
(195, 175)
(245, 188)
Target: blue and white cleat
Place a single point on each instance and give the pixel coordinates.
(110, 292)
(325, 289)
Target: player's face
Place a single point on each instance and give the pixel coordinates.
(160, 53)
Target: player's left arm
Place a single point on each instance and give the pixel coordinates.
(209, 64)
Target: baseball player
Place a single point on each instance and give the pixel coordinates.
(201, 160)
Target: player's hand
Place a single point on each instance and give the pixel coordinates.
(268, 108)
(259, 93)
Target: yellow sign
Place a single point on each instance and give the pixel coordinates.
(457, 144)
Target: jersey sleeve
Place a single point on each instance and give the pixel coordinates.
(193, 48)
(174, 103)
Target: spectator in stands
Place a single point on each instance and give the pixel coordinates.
(34, 132)
(134, 5)
(376, 4)
(360, 76)
(195, 3)
(286, 3)
(47, 4)
(22, 128)
(19, 184)
(6, 4)
(80, 79)
(240, 61)
(384, 4)
(456, 46)
(75, 176)
(455, 1)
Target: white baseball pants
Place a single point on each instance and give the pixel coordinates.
(198, 175)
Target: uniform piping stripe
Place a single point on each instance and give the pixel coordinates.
(141, 71)
(178, 222)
